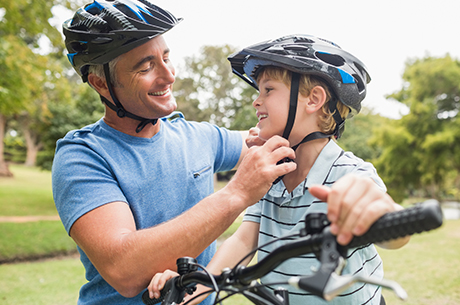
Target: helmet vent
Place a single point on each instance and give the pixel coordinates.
(78, 46)
(332, 59)
(359, 83)
(116, 19)
(297, 48)
(303, 39)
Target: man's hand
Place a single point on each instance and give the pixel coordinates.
(354, 204)
(253, 138)
(259, 169)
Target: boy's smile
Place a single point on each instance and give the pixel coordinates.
(272, 107)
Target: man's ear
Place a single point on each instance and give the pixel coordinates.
(100, 84)
(316, 99)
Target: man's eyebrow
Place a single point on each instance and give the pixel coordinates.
(147, 59)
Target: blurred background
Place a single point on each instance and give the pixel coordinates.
(409, 128)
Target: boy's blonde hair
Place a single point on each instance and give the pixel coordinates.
(307, 83)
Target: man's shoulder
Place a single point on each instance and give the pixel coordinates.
(177, 121)
(78, 133)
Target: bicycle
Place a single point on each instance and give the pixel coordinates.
(316, 238)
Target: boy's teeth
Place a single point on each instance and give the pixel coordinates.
(262, 116)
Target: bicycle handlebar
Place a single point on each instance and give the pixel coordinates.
(419, 218)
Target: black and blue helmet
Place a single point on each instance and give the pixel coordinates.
(345, 74)
(105, 29)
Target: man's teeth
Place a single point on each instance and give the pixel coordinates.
(159, 93)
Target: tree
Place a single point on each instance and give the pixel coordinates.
(358, 133)
(421, 150)
(208, 91)
(22, 26)
(82, 106)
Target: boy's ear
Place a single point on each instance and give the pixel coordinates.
(99, 84)
(316, 99)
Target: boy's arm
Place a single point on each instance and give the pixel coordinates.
(243, 241)
(236, 247)
(354, 204)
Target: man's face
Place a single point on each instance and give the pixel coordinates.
(145, 77)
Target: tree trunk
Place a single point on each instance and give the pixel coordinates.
(32, 147)
(4, 170)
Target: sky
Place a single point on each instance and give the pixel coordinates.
(384, 34)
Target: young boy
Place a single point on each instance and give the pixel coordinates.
(313, 85)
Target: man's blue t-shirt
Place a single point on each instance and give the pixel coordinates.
(159, 178)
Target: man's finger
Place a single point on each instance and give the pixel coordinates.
(320, 191)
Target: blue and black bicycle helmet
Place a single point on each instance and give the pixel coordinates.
(346, 75)
(104, 29)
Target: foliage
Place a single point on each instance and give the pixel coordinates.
(15, 149)
(27, 75)
(64, 115)
(358, 132)
(207, 90)
(421, 151)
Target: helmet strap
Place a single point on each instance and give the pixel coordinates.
(118, 107)
(295, 80)
(340, 122)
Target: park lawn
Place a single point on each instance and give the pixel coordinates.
(427, 268)
(31, 240)
(27, 193)
(53, 282)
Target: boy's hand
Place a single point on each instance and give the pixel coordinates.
(354, 204)
(158, 282)
(253, 138)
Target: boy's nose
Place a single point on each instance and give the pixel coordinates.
(256, 102)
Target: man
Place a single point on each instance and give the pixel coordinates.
(133, 189)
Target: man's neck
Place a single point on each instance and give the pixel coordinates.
(129, 126)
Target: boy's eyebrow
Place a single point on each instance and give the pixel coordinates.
(147, 59)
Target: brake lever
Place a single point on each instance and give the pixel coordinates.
(328, 282)
(331, 261)
(338, 283)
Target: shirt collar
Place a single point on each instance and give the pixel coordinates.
(317, 174)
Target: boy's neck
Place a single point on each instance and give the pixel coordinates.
(306, 155)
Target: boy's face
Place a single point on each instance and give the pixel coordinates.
(272, 107)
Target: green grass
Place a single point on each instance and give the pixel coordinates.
(427, 268)
(28, 193)
(34, 240)
(55, 282)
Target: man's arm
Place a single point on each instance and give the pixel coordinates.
(244, 147)
(128, 258)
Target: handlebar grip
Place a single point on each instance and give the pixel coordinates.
(422, 217)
